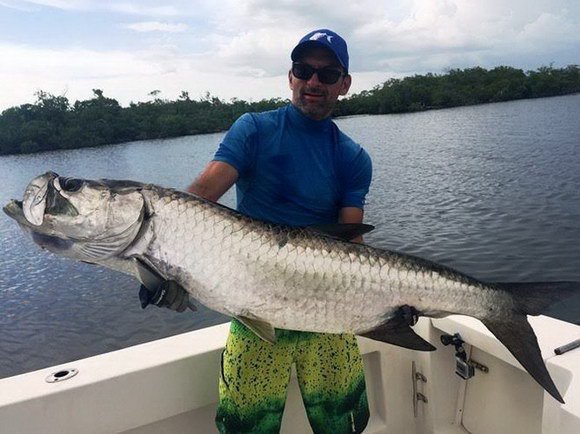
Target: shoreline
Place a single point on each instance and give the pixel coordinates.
(53, 123)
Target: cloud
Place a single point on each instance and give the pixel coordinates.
(156, 26)
(241, 48)
(154, 8)
(143, 9)
(76, 63)
(18, 5)
(407, 36)
(125, 76)
(546, 29)
(27, 5)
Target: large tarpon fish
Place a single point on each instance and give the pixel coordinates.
(269, 275)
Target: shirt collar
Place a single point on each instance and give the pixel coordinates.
(300, 119)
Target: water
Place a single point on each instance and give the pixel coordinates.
(492, 190)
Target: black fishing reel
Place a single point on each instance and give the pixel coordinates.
(463, 367)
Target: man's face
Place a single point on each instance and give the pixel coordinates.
(312, 97)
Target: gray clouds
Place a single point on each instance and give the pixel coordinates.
(240, 48)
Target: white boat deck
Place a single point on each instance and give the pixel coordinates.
(170, 386)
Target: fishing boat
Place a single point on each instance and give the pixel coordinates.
(471, 384)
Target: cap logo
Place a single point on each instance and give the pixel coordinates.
(320, 35)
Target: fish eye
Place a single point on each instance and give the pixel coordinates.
(70, 184)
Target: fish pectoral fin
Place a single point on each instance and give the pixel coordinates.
(343, 231)
(517, 335)
(264, 330)
(397, 332)
(157, 290)
(147, 275)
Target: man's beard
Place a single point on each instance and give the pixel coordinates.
(315, 109)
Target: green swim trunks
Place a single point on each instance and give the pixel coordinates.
(255, 375)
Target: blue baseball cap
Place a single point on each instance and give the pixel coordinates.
(323, 38)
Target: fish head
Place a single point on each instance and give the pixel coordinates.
(83, 219)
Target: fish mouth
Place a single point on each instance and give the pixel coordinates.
(13, 209)
(34, 200)
(41, 197)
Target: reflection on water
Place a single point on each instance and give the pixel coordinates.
(491, 190)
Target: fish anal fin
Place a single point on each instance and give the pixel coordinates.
(399, 333)
(343, 231)
(264, 330)
(519, 338)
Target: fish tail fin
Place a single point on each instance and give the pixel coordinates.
(519, 338)
(534, 298)
(517, 335)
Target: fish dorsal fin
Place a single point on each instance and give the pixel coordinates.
(262, 329)
(343, 231)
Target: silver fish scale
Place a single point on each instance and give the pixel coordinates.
(294, 278)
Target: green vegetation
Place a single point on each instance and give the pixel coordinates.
(53, 123)
(462, 87)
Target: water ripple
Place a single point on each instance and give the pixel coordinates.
(491, 190)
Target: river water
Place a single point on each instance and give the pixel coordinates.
(492, 190)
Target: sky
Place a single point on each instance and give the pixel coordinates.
(241, 48)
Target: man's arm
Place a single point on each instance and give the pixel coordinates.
(214, 181)
(351, 214)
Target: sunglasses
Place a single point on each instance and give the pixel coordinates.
(326, 75)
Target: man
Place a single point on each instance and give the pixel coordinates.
(293, 166)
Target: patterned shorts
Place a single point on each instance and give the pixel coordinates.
(255, 375)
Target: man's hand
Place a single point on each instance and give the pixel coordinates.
(168, 294)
